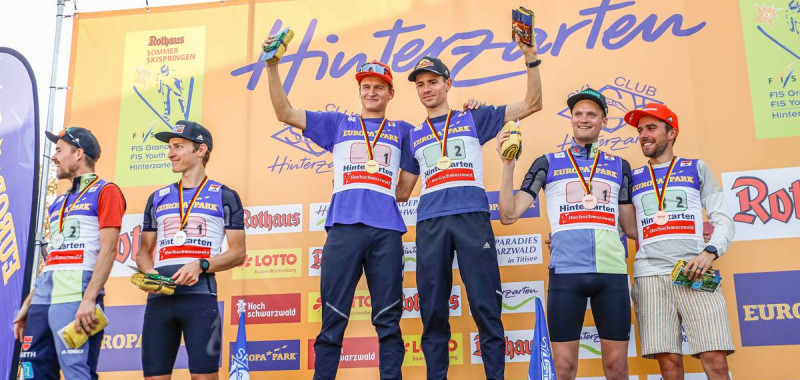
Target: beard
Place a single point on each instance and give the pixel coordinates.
(64, 172)
(658, 149)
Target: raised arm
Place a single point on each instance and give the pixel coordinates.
(280, 102)
(511, 206)
(533, 94)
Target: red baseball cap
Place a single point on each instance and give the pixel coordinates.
(374, 69)
(656, 110)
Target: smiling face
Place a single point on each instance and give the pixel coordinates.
(67, 159)
(375, 94)
(655, 136)
(432, 88)
(587, 121)
(184, 156)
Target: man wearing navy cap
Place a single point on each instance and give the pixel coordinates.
(185, 224)
(453, 212)
(588, 195)
(84, 225)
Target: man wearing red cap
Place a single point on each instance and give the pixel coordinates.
(669, 195)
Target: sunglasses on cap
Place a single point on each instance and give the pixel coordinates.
(65, 132)
(375, 68)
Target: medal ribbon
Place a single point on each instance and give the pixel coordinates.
(443, 140)
(371, 146)
(184, 216)
(587, 186)
(64, 212)
(660, 195)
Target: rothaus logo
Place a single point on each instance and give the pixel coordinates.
(756, 202)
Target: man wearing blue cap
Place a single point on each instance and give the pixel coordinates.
(185, 224)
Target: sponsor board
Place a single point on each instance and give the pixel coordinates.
(268, 308)
(764, 203)
(317, 214)
(518, 344)
(518, 297)
(687, 376)
(633, 377)
(259, 220)
(519, 249)
(411, 302)
(272, 355)
(408, 210)
(768, 305)
(270, 263)
(360, 309)
(494, 206)
(415, 358)
(122, 340)
(314, 261)
(589, 344)
(130, 232)
(359, 352)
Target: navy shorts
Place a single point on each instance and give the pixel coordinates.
(566, 305)
(196, 317)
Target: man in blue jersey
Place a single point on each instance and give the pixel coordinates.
(588, 198)
(453, 213)
(84, 224)
(364, 224)
(185, 224)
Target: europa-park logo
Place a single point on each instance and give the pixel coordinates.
(768, 305)
(272, 355)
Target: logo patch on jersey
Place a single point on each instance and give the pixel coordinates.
(686, 163)
(559, 155)
(391, 124)
(163, 192)
(93, 189)
(608, 156)
(638, 171)
(27, 370)
(26, 342)
(214, 188)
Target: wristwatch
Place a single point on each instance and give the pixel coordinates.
(204, 264)
(712, 249)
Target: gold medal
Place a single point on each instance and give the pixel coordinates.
(661, 218)
(443, 163)
(371, 166)
(589, 201)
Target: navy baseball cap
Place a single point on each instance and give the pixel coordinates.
(431, 64)
(188, 130)
(78, 137)
(589, 94)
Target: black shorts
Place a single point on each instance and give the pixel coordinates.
(196, 317)
(566, 305)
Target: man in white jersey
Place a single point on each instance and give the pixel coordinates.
(669, 194)
(185, 223)
(84, 224)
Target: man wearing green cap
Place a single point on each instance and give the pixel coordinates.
(588, 197)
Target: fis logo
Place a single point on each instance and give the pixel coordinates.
(296, 140)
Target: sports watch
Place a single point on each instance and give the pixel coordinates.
(712, 249)
(204, 265)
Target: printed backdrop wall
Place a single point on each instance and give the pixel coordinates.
(726, 68)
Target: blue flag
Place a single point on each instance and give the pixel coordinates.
(240, 367)
(541, 366)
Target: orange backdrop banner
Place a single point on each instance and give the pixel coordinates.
(134, 73)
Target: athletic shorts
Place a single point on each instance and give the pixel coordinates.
(196, 317)
(664, 309)
(566, 305)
